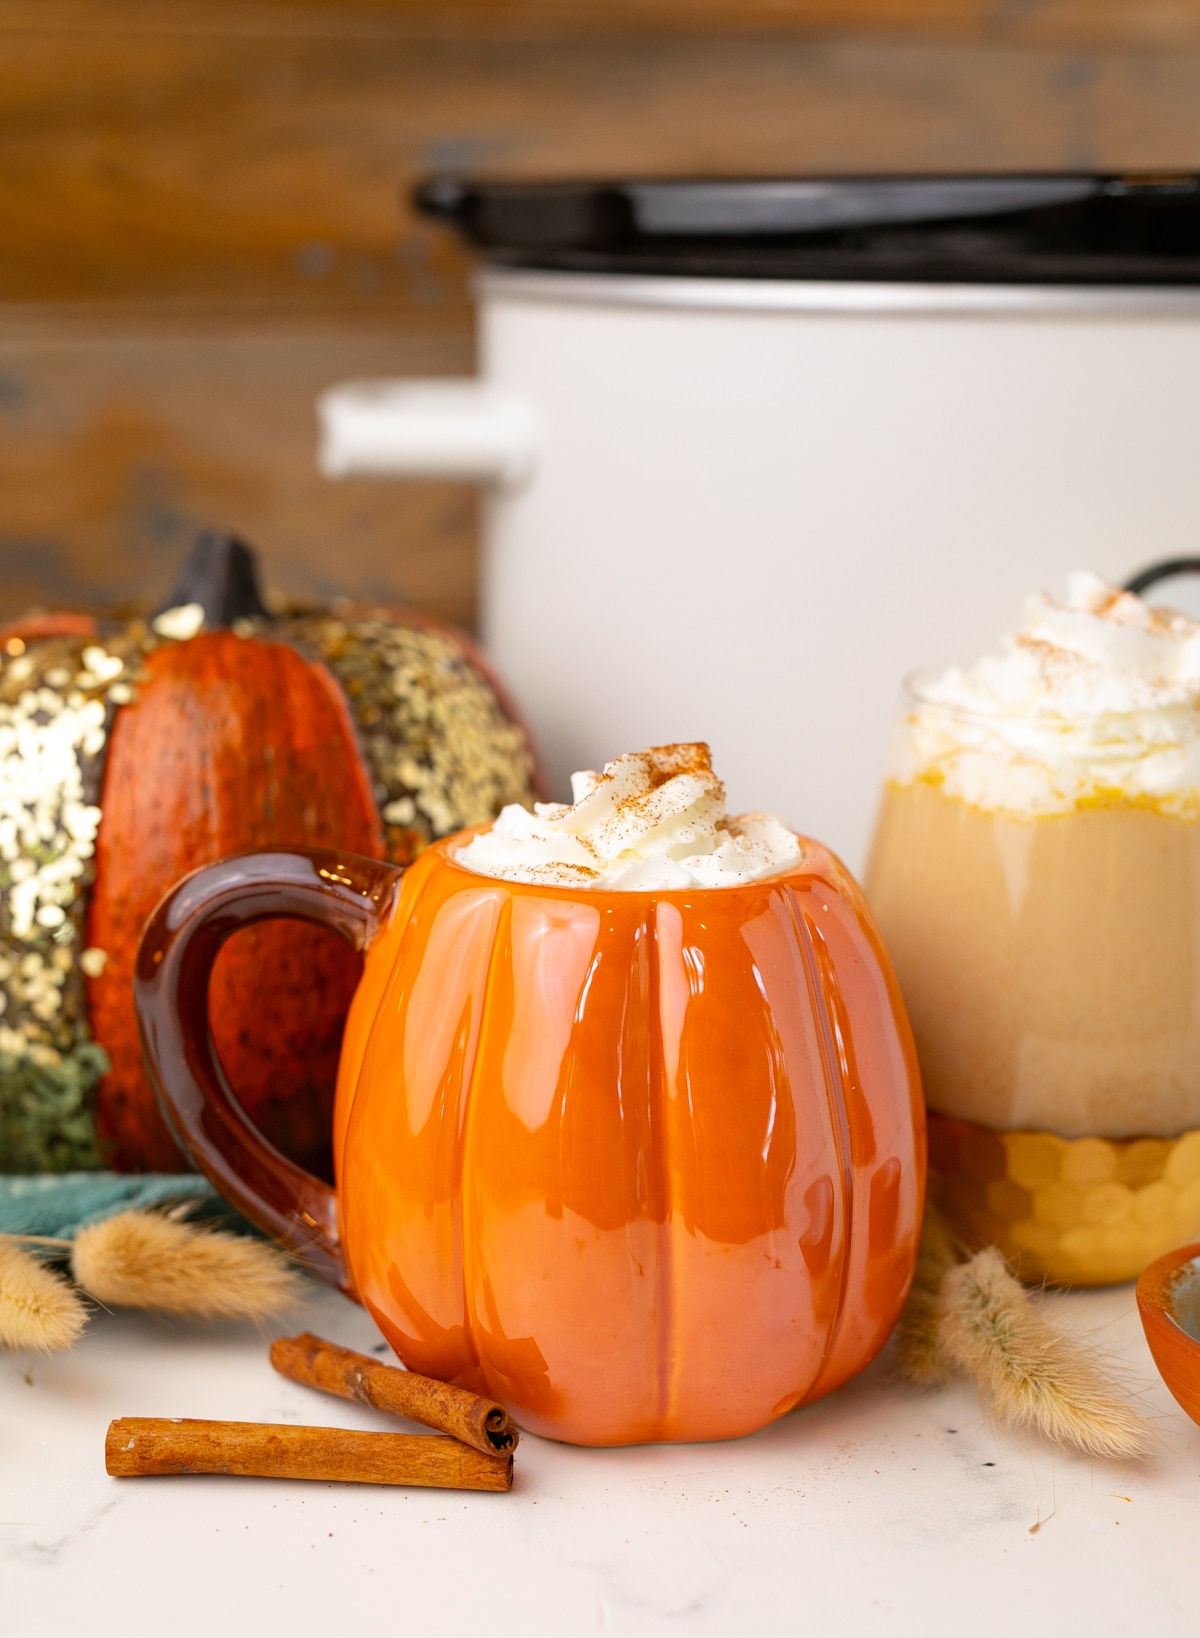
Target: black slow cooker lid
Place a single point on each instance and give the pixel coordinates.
(1033, 229)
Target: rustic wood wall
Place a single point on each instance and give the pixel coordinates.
(203, 221)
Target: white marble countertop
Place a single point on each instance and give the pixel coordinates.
(878, 1510)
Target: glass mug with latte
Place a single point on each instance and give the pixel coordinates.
(1035, 873)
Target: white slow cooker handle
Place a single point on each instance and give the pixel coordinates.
(427, 429)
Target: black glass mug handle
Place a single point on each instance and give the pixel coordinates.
(1166, 570)
(182, 939)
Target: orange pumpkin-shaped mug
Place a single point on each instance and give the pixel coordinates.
(644, 1165)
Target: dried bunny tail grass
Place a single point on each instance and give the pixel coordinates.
(141, 1259)
(38, 1309)
(919, 1352)
(1032, 1375)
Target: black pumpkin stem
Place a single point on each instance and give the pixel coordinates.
(221, 574)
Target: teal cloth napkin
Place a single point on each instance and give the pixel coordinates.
(59, 1204)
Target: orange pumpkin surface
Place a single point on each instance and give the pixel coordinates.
(641, 1166)
(232, 743)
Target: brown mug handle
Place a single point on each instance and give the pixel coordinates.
(174, 963)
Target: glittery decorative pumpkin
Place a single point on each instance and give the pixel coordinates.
(133, 751)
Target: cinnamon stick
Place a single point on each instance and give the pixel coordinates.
(478, 1422)
(146, 1446)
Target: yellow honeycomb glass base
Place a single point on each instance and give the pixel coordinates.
(1071, 1211)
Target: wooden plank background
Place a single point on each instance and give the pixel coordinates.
(203, 220)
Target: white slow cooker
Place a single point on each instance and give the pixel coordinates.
(756, 450)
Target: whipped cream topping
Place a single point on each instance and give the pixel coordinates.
(652, 819)
(1094, 698)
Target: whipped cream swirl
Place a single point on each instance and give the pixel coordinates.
(652, 819)
(1093, 699)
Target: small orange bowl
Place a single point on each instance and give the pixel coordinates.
(1168, 1298)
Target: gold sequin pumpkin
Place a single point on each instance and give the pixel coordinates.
(134, 751)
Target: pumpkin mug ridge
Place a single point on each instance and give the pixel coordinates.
(644, 1165)
(839, 1124)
